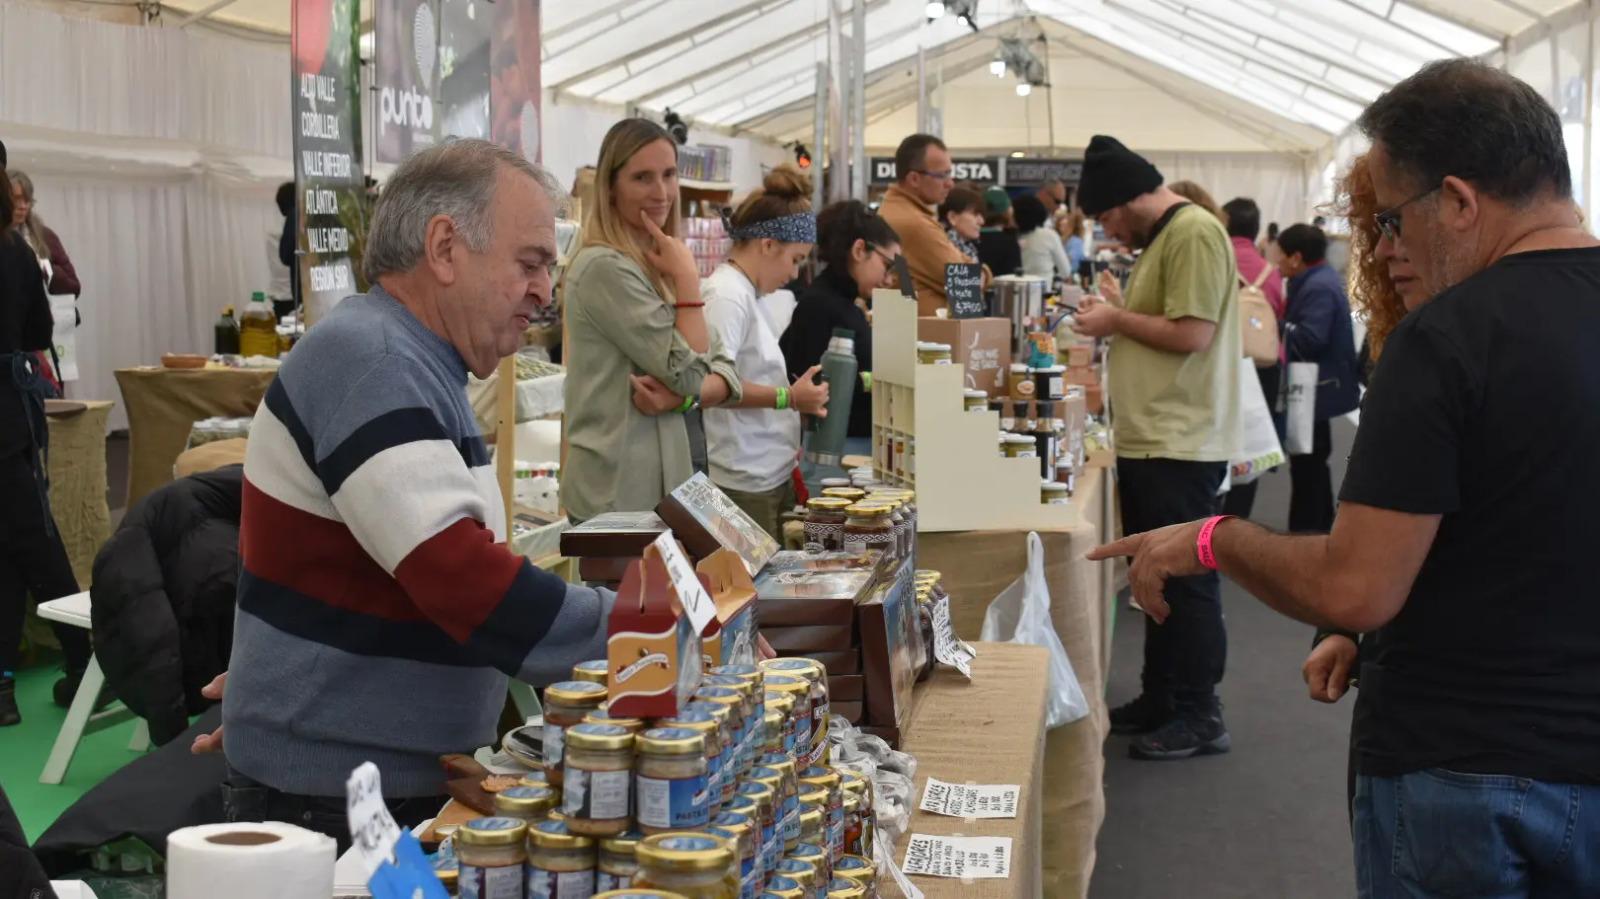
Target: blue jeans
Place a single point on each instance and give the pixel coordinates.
(1442, 833)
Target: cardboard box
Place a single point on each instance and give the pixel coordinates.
(801, 597)
(706, 520)
(1084, 375)
(834, 662)
(846, 687)
(891, 636)
(612, 534)
(981, 345)
(604, 569)
(811, 639)
(1078, 355)
(730, 639)
(829, 560)
(653, 653)
(851, 711)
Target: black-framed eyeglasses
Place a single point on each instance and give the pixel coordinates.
(945, 175)
(1389, 220)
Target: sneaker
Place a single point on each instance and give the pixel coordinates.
(1140, 716)
(1181, 738)
(8, 703)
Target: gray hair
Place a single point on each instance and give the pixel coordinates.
(454, 179)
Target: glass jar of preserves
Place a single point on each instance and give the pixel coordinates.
(783, 704)
(617, 864)
(717, 749)
(797, 729)
(816, 679)
(595, 671)
(597, 789)
(729, 698)
(930, 353)
(536, 779)
(1049, 383)
(780, 887)
(852, 824)
(531, 804)
(1019, 384)
(740, 831)
(1053, 493)
(975, 400)
(853, 494)
(766, 802)
(789, 793)
(602, 715)
(841, 888)
(565, 704)
(803, 873)
(696, 865)
(560, 862)
(1019, 446)
(772, 735)
(824, 523)
(727, 726)
(860, 870)
(814, 824)
(773, 781)
(748, 673)
(448, 869)
(671, 780)
(490, 854)
(828, 779)
(867, 526)
(630, 893)
(861, 788)
(814, 855)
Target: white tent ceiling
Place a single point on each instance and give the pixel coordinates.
(1234, 75)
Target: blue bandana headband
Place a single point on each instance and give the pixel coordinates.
(797, 227)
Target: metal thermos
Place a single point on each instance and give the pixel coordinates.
(1020, 299)
(826, 446)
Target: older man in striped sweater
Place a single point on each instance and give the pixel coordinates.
(380, 611)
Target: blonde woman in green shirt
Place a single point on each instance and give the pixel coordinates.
(633, 309)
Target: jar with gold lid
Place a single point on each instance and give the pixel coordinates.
(931, 353)
(719, 749)
(828, 779)
(696, 865)
(781, 887)
(1020, 383)
(560, 862)
(766, 802)
(597, 794)
(824, 523)
(853, 494)
(1019, 446)
(602, 715)
(813, 854)
(728, 726)
(565, 704)
(531, 804)
(975, 400)
(1053, 493)
(595, 671)
(802, 872)
(814, 824)
(867, 818)
(860, 870)
(844, 888)
(783, 765)
(490, 854)
(631, 893)
(816, 679)
(797, 729)
(447, 867)
(868, 526)
(671, 782)
(616, 865)
(730, 699)
(741, 831)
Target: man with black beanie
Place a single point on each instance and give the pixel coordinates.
(1174, 363)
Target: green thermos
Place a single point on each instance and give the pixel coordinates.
(826, 446)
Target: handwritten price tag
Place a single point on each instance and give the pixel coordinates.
(962, 858)
(692, 594)
(946, 647)
(970, 800)
(373, 832)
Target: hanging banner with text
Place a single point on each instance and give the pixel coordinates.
(331, 194)
(514, 78)
(432, 73)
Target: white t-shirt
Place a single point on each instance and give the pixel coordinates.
(750, 450)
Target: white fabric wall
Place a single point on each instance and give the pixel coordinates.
(1280, 184)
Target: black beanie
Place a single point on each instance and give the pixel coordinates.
(1113, 175)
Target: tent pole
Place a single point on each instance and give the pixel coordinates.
(838, 85)
(819, 134)
(858, 102)
(199, 14)
(922, 93)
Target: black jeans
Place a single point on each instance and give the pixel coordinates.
(1241, 499)
(1311, 484)
(244, 799)
(1183, 657)
(32, 561)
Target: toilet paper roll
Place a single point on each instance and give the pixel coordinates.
(268, 860)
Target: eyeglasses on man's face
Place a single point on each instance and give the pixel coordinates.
(946, 175)
(1389, 220)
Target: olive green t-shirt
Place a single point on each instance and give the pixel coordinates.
(1180, 405)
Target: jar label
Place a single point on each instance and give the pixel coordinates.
(855, 545)
(504, 882)
(555, 739)
(681, 802)
(605, 883)
(596, 795)
(1057, 387)
(544, 884)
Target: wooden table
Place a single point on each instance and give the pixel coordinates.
(990, 731)
(164, 403)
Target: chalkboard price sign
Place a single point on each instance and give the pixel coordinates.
(963, 290)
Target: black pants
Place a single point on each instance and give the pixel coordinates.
(244, 799)
(32, 561)
(1311, 484)
(1183, 657)
(1241, 500)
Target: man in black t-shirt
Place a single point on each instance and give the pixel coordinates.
(1467, 531)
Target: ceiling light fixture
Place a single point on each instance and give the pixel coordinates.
(997, 67)
(934, 10)
(1024, 88)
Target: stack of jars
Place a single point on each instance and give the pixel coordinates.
(728, 799)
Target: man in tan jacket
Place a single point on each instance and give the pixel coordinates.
(924, 176)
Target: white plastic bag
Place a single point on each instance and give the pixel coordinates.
(1302, 406)
(1021, 614)
(1259, 450)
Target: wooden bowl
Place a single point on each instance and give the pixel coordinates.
(183, 360)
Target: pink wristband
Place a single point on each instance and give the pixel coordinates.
(1202, 544)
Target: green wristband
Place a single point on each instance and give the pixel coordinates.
(783, 398)
(688, 403)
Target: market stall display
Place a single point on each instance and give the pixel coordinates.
(164, 403)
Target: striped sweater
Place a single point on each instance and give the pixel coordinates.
(379, 610)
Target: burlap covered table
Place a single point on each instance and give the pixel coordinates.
(977, 565)
(78, 480)
(164, 403)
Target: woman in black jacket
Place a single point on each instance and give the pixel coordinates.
(33, 559)
(859, 250)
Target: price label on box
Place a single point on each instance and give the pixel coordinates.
(962, 858)
(692, 594)
(946, 647)
(970, 800)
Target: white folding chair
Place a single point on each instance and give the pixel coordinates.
(82, 719)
